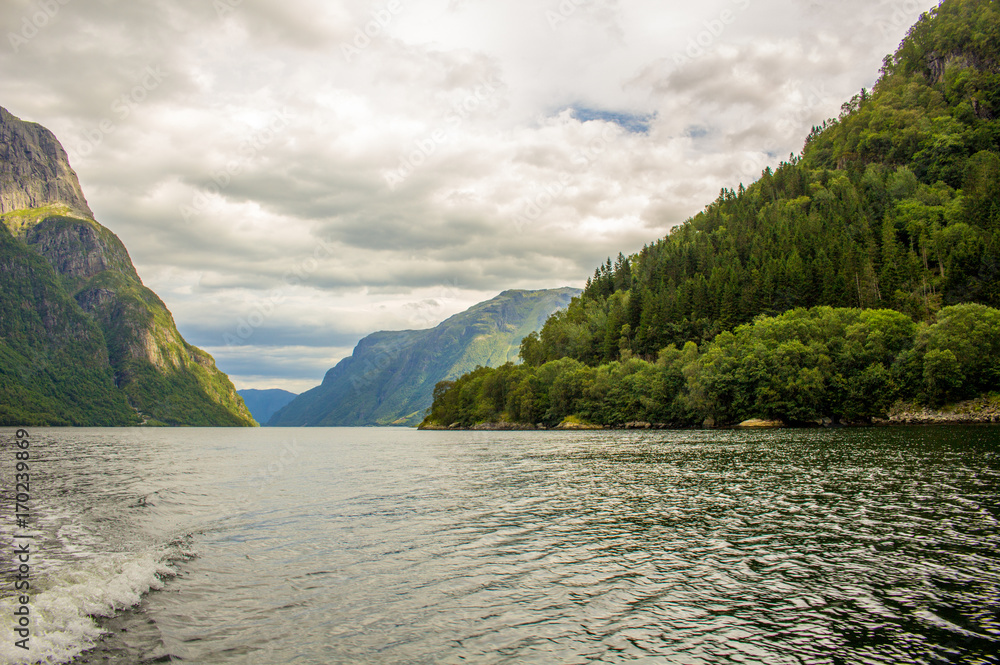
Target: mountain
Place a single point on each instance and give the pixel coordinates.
(390, 377)
(82, 340)
(892, 206)
(264, 403)
(895, 204)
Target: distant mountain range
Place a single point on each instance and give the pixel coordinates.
(264, 403)
(82, 341)
(390, 377)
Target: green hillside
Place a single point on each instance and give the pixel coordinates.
(895, 205)
(83, 341)
(390, 377)
(54, 366)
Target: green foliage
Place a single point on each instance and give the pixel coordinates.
(958, 355)
(53, 362)
(796, 297)
(19, 222)
(87, 344)
(802, 366)
(188, 395)
(896, 204)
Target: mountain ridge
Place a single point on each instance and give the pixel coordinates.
(264, 403)
(389, 379)
(157, 377)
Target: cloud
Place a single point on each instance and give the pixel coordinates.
(382, 165)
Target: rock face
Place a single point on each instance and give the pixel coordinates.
(390, 377)
(79, 250)
(34, 169)
(976, 411)
(52, 239)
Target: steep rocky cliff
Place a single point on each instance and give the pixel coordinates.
(87, 270)
(34, 169)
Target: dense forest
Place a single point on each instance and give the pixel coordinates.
(804, 366)
(891, 211)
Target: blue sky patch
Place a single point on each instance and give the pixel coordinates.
(632, 122)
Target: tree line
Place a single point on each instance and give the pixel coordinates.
(806, 365)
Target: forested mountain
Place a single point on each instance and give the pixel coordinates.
(893, 205)
(390, 377)
(82, 341)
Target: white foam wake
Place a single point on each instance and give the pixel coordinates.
(64, 601)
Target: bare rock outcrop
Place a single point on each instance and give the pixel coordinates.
(35, 170)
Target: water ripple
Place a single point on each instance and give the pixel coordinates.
(393, 546)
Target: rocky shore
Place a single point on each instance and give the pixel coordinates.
(975, 411)
(982, 410)
(528, 427)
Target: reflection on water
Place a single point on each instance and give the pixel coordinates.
(396, 546)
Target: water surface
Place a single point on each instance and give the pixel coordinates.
(396, 546)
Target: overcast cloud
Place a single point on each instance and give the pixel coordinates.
(288, 183)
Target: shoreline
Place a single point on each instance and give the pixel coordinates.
(978, 411)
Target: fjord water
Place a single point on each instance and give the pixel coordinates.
(396, 546)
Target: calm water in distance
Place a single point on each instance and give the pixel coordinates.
(317, 546)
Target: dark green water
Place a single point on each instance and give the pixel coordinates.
(397, 546)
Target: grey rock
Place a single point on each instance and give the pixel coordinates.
(35, 170)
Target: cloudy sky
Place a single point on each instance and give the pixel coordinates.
(291, 176)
